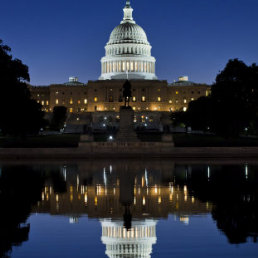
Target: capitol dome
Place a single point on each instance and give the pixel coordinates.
(128, 52)
(128, 33)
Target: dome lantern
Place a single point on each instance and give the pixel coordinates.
(128, 13)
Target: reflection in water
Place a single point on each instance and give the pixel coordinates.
(129, 198)
(17, 196)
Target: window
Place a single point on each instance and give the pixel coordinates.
(177, 92)
(185, 101)
(79, 102)
(95, 99)
(143, 98)
(170, 101)
(134, 99)
(159, 99)
(57, 101)
(192, 99)
(71, 110)
(47, 103)
(110, 99)
(42, 102)
(71, 101)
(184, 109)
(85, 101)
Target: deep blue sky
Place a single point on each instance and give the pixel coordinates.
(60, 38)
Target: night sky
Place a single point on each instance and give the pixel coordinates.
(62, 38)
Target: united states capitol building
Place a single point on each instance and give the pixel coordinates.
(127, 56)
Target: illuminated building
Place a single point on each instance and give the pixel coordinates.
(127, 55)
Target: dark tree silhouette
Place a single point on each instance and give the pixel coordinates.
(233, 104)
(20, 190)
(234, 98)
(233, 198)
(19, 114)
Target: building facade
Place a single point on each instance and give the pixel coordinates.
(127, 56)
(107, 95)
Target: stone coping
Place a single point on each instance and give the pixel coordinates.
(129, 150)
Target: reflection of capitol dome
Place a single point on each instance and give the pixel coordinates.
(137, 242)
(128, 51)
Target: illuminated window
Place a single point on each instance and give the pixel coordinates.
(85, 101)
(95, 99)
(134, 108)
(184, 109)
(71, 101)
(185, 101)
(42, 102)
(57, 101)
(134, 99)
(71, 110)
(170, 101)
(159, 99)
(143, 98)
(47, 103)
(177, 92)
(57, 92)
(192, 99)
(79, 102)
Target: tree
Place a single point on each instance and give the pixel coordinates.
(58, 118)
(200, 113)
(235, 98)
(19, 114)
(233, 104)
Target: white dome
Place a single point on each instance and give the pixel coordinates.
(128, 33)
(128, 52)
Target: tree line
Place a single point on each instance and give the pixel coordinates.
(232, 107)
(20, 115)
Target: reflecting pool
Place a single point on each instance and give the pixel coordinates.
(129, 208)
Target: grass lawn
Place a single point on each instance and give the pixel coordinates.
(42, 141)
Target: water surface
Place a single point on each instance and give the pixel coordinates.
(129, 209)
